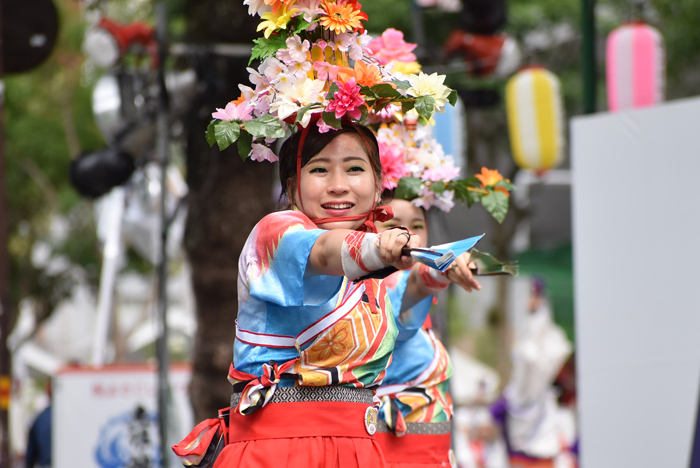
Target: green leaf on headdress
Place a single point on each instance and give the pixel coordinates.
(264, 48)
(385, 90)
(452, 98)
(334, 88)
(332, 120)
(496, 203)
(462, 192)
(301, 112)
(437, 187)
(365, 112)
(211, 132)
(408, 188)
(400, 84)
(302, 25)
(425, 105)
(367, 92)
(245, 144)
(506, 185)
(226, 133)
(407, 106)
(266, 126)
(473, 181)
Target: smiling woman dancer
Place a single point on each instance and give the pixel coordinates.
(311, 342)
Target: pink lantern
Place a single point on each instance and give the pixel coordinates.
(636, 67)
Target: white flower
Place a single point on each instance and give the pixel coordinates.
(300, 69)
(297, 49)
(262, 107)
(445, 201)
(257, 7)
(427, 198)
(426, 159)
(272, 67)
(344, 41)
(262, 153)
(300, 94)
(247, 92)
(257, 78)
(430, 85)
(284, 81)
(309, 8)
(358, 48)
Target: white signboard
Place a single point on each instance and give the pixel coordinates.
(108, 417)
(636, 207)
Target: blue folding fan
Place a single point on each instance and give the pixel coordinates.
(441, 256)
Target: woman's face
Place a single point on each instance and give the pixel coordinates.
(338, 181)
(409, 215)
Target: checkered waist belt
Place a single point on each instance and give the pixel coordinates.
(307, 412)
(423, 443)
(423, 428)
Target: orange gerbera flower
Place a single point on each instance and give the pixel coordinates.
(340, 18)
(240, 100)
(489, 177)
(345, 73)
(367, 75)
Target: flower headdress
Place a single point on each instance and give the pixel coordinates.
(415, 165)
(417, 169)
(316, 69)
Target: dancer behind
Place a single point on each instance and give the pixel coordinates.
(416, 407)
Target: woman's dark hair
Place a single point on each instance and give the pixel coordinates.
(313, 144)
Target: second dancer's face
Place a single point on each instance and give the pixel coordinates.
(338, 181)
(408, 215)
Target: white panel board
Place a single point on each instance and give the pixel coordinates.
(94, 422)
(636, 207)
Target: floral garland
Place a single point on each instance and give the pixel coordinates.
(415, 165)
(417, 169)
(316, 69)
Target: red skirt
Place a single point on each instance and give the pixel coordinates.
(319, 434)
(416, 450)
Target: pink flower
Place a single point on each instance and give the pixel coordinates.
(326, 71)
(347, 100)
(323, 127)
(443, 173)
(393, 164)
(234, 113)
(262, 153)
(385, 115)
(390, 47)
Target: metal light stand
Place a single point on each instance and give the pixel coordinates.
(588, 46)
(162, 157)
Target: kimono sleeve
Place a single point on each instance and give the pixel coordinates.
(274, 261)
(410, 321)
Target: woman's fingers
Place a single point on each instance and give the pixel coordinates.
(461, 274)
(391, 244)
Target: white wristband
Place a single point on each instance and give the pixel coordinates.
(360, 255)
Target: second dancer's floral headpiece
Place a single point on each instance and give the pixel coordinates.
(415, 165)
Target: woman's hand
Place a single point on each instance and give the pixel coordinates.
(391, 242)
(460, 273)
